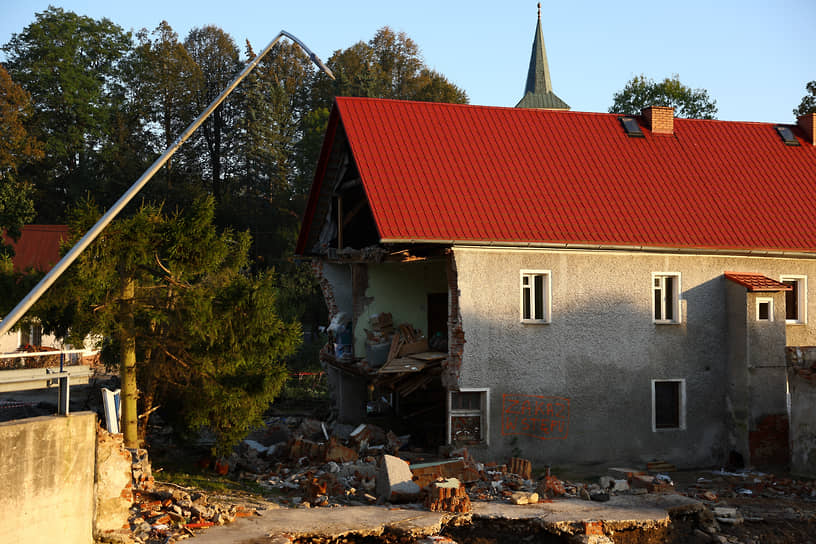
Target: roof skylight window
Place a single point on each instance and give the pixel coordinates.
(787, 135)
(630, 125)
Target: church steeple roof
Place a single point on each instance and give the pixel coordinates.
(538, 92)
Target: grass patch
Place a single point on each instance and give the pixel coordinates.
(180, 470)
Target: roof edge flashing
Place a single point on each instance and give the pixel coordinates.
(607, 247)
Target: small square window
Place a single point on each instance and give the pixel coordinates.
(795, 299)
(468, 416)
(764, 309)
(535, 296)
(666, 297)
(668, 405)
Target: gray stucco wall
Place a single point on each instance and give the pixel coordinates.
(602, 350)
(757, 380)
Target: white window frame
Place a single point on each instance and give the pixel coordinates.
(770, 302)
(681, 408)
(30, 334)
(801, 298)
(676, 290)
(483, 412)
(547, 295)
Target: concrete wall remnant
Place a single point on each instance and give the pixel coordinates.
(47, 475)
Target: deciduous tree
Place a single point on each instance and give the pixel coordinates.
(17, 148)
(808, 103)
(641, 92)
(70, 66)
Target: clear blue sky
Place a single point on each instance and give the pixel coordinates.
(753, 56)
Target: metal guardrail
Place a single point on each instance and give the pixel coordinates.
(24, 379)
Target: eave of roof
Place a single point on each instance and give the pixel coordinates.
(757, 282)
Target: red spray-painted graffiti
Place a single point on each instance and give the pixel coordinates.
(546, 418)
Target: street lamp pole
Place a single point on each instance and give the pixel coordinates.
(24, 305)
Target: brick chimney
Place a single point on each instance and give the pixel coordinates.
(808, 124)
(659, 119)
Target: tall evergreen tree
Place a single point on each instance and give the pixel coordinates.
(189, 328)
(168, 81)
(218, 61)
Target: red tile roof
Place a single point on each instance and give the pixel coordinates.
(38, 246)
(757, 282)
(445, 172)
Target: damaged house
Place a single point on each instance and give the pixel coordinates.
(607, 288)
(574, 287)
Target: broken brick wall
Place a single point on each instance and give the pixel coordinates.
(114, 487)
(325, 287)
(456, 334)
(801, 365)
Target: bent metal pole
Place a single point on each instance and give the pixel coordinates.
(11, 319)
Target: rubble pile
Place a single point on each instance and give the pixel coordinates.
(723, 484)
(170, 513)
(306, 463)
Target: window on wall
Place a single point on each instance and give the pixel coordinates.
(535, 296)
(795, 299)
(668, 404)
(31, 334)
(666, 297)
(764, 309)
(468, 416)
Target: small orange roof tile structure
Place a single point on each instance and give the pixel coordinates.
(757, 282)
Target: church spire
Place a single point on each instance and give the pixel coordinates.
(538, 92)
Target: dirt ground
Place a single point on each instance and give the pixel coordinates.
(773, 507)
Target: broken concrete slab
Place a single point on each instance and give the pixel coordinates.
(562, 516)
(395, 480)
(330, 523)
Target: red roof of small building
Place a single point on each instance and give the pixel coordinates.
(38, 246)
(757, 282)
(467, 174)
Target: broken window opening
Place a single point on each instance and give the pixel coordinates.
(468, 416)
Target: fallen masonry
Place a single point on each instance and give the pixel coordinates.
(334, 483)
